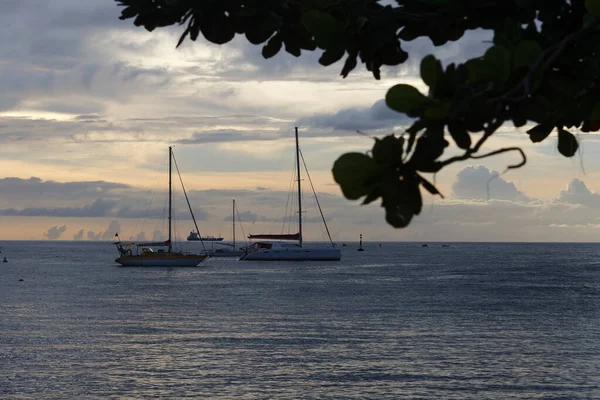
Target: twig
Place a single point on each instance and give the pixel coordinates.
(505, 150)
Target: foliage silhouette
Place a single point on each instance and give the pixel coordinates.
(542, 68)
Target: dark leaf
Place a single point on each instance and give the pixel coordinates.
(373, 195)
(518, 115)
(388, 151)
(183, 35)
(355, 173)
(415, 128)
(590, 126)
(429, 70)
(349, 65)
(429, 147)
(328, 31)
(272, 47)
(595, 114)
(292, 47)
(479, 70)
(129, 12)
(331, 56)
(217, 30)
(404, 98)
(567, 143)
(540, 132)
(499, 59)
(401, 199)
(526, 53)
(593, 7)
(258, 34)
(438, 110)
(459, 134)
(429, 186)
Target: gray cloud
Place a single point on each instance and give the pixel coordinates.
(113, 228)
(247, 216)
(55, 232)
(378, 116)
(578, 193)
(228, 135)
(30, 193)
(108, 234)
(91, 235)
(99, 208)
(481, 183)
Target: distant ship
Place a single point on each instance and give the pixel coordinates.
(195, 237)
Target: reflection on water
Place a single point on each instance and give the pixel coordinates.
(473, 321)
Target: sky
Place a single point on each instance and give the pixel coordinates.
(90, 105)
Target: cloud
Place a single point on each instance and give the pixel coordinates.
(30, 195)
(578, 193)
(228, 135)
(478, 182)
(99, 208)
(108, 234)
(378, 117)
(246, 216)
(78, 235)
(140, 237)
(158, 236)
(36, 187)
(55, 232)
(91, 235)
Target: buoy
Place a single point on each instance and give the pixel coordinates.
(360, 247)
(5, 260)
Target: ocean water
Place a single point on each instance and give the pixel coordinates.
(400, 321)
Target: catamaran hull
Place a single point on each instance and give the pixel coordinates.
(141, 261)
(300, 254)
(218, 254)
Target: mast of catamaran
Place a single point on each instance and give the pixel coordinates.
(299, 190)
(170, 195)
(233, 221)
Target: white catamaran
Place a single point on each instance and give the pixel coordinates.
(281, 247)
(144, 255)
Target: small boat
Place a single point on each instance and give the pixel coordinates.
(282, 249)
(195, 237)
(360, 246)
(5, 260)
(143, 255)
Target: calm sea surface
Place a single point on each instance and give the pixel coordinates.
(401, 321)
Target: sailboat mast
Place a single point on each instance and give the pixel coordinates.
(170, 195)
(233, 220)
(299, 190)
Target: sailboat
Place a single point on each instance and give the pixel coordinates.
(233, 252)
(143, 254)
(282, 248)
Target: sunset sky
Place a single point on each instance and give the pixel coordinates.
(90, 105)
